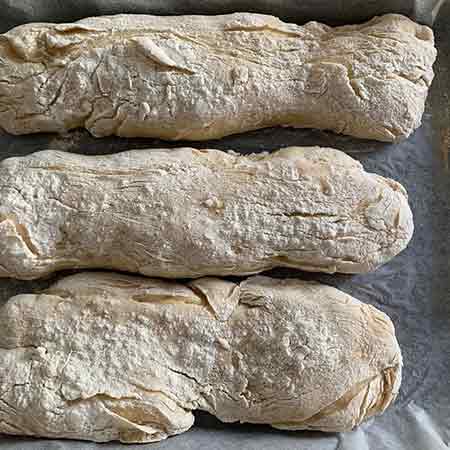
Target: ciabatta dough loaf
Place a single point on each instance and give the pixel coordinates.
(198, 77)
(190, 213)
(103, 356)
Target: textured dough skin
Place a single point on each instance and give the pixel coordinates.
(198, 77)
(104, 356)
(189, 213)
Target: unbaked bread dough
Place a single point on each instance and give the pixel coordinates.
(103, 356)
(191, 213)
(204, 77)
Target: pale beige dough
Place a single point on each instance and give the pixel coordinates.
(198, 77)
(191, 213)
(103, 356)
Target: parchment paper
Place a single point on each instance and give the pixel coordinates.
(413, 289)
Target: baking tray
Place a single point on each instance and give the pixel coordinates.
(413, 289)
